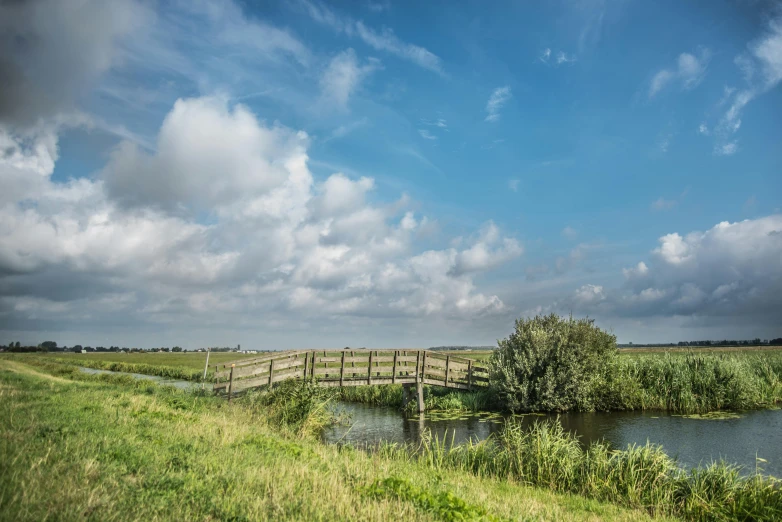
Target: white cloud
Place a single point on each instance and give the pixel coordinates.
(589, 294)
(563, 57)
(425, 134)
(765, 54)
(343, 76)
(703, 129)
(559, 58)
(726, 149)
(499, 97)
(689, 72)
(663, 204)
(384, 40)
(730, 273)
(513, 184)
(274, 243)
(569, 232)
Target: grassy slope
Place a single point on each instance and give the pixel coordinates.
(104, 448)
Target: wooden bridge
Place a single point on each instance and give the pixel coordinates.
(353, 368)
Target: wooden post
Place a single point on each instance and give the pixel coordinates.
(342, 369)
(417, 365)
(231, 383)
(447, 368)
(369, 369)
(217, 379)
(312, 367)
(206, 365)
(469, 374)
(423, 366)
(419, 388)
(393, 368)
(306, 364)
(271, 373)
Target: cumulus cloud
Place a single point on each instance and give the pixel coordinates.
(499, 97)
(688, 73)
(223, 222)
(731, 272)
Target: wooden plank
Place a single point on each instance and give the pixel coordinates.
(417, 365)
(333, 383)
(393, 370)
(434, 361)
(336, 370)
(263, 358)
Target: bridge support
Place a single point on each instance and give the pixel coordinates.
(419, 390)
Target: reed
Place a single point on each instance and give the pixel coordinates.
(545, 455)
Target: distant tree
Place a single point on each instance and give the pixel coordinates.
(77, 348)
(176, 349)
(18, 345)
(49, 345)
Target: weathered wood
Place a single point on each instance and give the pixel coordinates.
(469, 375)
(342, 369)
(231, 384)
(369, 369)
(417, 365)
(306, 364)
(419, 391)
(447, 368)
(271, 373)
(393, 374)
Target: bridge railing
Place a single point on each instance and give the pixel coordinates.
(352, 368)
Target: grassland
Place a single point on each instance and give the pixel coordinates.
(109, 448)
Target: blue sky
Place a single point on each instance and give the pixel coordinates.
(389, 173)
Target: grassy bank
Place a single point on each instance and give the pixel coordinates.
(640, 476)
(78, 447)
(183, 365)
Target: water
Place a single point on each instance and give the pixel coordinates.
(182, 385)
(692, 441)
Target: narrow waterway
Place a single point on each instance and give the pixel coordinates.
(748, 439)
(740, 439)
(176, 383)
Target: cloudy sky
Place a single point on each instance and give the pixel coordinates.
(385, 173)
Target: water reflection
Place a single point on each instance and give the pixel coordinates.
(692, 441)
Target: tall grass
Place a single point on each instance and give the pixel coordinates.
(545, 455)
(109, 447)
(692, 383)
(435, 398)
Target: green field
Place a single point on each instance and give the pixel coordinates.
(108, 448)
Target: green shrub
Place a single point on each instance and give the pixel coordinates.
(551, 363)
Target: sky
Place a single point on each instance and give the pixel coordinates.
(388, 174)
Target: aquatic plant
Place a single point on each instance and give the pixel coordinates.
(644, 477)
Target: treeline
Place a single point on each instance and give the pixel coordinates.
(51, 346)
(709, 343)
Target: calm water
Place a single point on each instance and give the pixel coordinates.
(691, 441)
(182, 385)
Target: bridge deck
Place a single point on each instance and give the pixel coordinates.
(362, 367)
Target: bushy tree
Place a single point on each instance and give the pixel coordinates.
(551, 363)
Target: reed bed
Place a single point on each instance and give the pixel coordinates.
(643, 477)
(692, 383)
